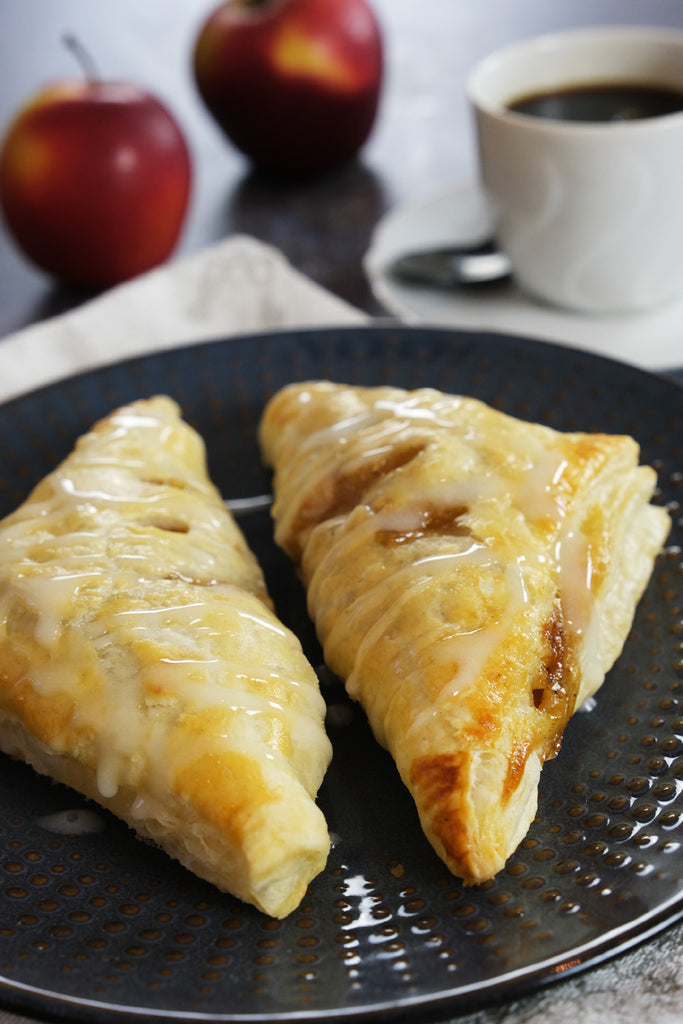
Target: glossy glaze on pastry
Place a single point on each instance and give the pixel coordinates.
(472, 577)
(141, 661)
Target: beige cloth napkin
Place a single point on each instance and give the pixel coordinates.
(236, 286)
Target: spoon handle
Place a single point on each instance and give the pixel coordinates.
(452, 266)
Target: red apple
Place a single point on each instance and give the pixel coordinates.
(294, 84)
(95, 179)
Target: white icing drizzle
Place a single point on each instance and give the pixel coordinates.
(527, 477)
(574, 565)
(136, 626)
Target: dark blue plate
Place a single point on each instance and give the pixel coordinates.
(98, 926)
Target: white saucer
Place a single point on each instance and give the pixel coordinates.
(460, 214)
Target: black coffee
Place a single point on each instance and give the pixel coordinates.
(618, 102)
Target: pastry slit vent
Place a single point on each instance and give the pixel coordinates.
(163, 481)
(517, 762)
(550, 691)
(170, 524)
(342, 491)
(445, 522)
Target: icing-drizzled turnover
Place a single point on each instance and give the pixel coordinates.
(466, 574)
(137, 639)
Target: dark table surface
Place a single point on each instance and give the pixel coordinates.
(422, 139)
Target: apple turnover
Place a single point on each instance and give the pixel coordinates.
(471, 576)
(142, 664)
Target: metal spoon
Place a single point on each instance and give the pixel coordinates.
(452, 266)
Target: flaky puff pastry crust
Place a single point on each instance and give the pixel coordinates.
(471, 576)
(142, 664)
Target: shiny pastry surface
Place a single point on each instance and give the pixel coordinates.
(472, 578)
(141, 661)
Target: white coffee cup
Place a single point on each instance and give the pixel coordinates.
(589, 213)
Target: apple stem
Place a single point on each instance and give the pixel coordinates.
(83, 57)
